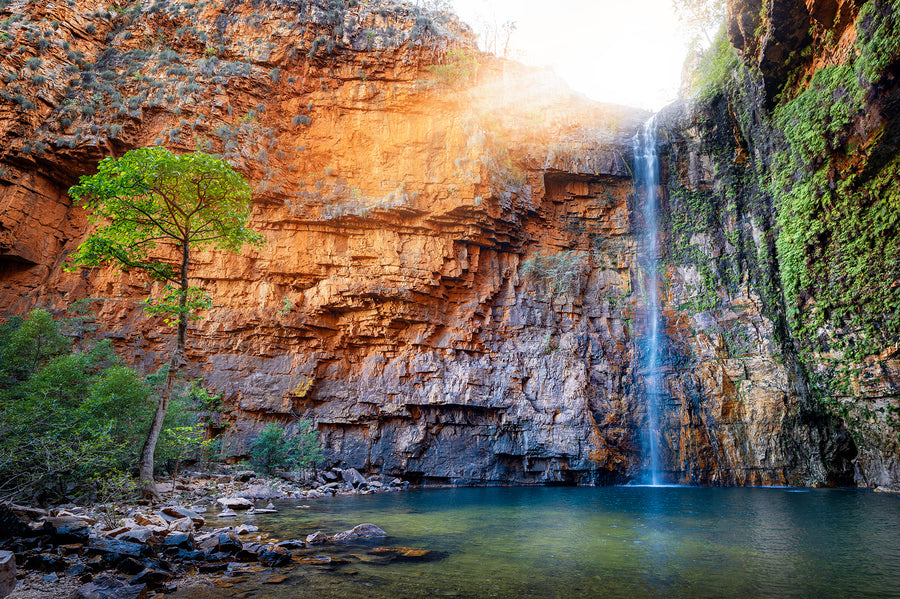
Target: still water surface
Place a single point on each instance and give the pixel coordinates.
(591, 542)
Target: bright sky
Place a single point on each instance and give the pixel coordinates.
(623, 51)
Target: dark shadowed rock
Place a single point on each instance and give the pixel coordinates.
(10, 524)
(151, 577)
(121, 548)
(244, 476)
(229, 543)
(67, 530)
(272, 555)
(179, 540)
(45, 562)
(7, 573)
(107, 587)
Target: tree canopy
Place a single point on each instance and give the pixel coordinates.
(151, 195)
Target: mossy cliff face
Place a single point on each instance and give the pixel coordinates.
(783, 248)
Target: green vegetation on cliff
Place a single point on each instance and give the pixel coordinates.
(838, 214)
(800, 200)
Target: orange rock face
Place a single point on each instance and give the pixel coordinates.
(448, 284)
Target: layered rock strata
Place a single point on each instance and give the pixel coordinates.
(449, 286)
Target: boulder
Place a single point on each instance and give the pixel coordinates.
(226, 513)
(260, 492)
(138, 534)
(177, 512)
(248, 553)
(210, 568)
(292, 544)
(352, 476)
(107, 587)
(182, 525)
(235, 503)
(150, 577)
(245, 529)
(150, 520)
(45, 562)
(316, 538)
(7, 572)
(179, 540)
(25, 513)
(272, 555)
(362, 531)
(117, 547)
(228, 543)
(67, 529)
(244, 476)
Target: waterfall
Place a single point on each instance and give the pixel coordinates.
(646, 175)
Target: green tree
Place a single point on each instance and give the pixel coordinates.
(67, 414)
(272, 448)
(187, 202)
(184, 441)
(701, 17)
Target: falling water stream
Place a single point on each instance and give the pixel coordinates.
(647, 179)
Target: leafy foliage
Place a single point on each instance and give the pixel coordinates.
(66, 413)
(151, 195)
(839, 239)
(273, 449)
(713, 68)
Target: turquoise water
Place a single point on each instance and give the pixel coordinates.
(591, 542)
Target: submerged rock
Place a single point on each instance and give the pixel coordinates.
(361, 531)
(272, 555)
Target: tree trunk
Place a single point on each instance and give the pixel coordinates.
(148, 452)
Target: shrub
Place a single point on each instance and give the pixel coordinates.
(459, 66)
(273, 449)
(66, 414)
(34, 63)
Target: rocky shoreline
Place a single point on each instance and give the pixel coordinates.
(140, 550)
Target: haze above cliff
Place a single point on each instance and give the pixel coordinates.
(629, 53)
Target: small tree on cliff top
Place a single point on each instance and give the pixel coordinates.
(189, 202)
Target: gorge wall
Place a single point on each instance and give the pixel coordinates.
(449, 287)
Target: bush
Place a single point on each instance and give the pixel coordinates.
(273, 449)
(66, 414)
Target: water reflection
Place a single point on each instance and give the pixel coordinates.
(595, 542)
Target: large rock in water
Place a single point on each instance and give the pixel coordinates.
(361, 531)
(235, 503)
(7, 573)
